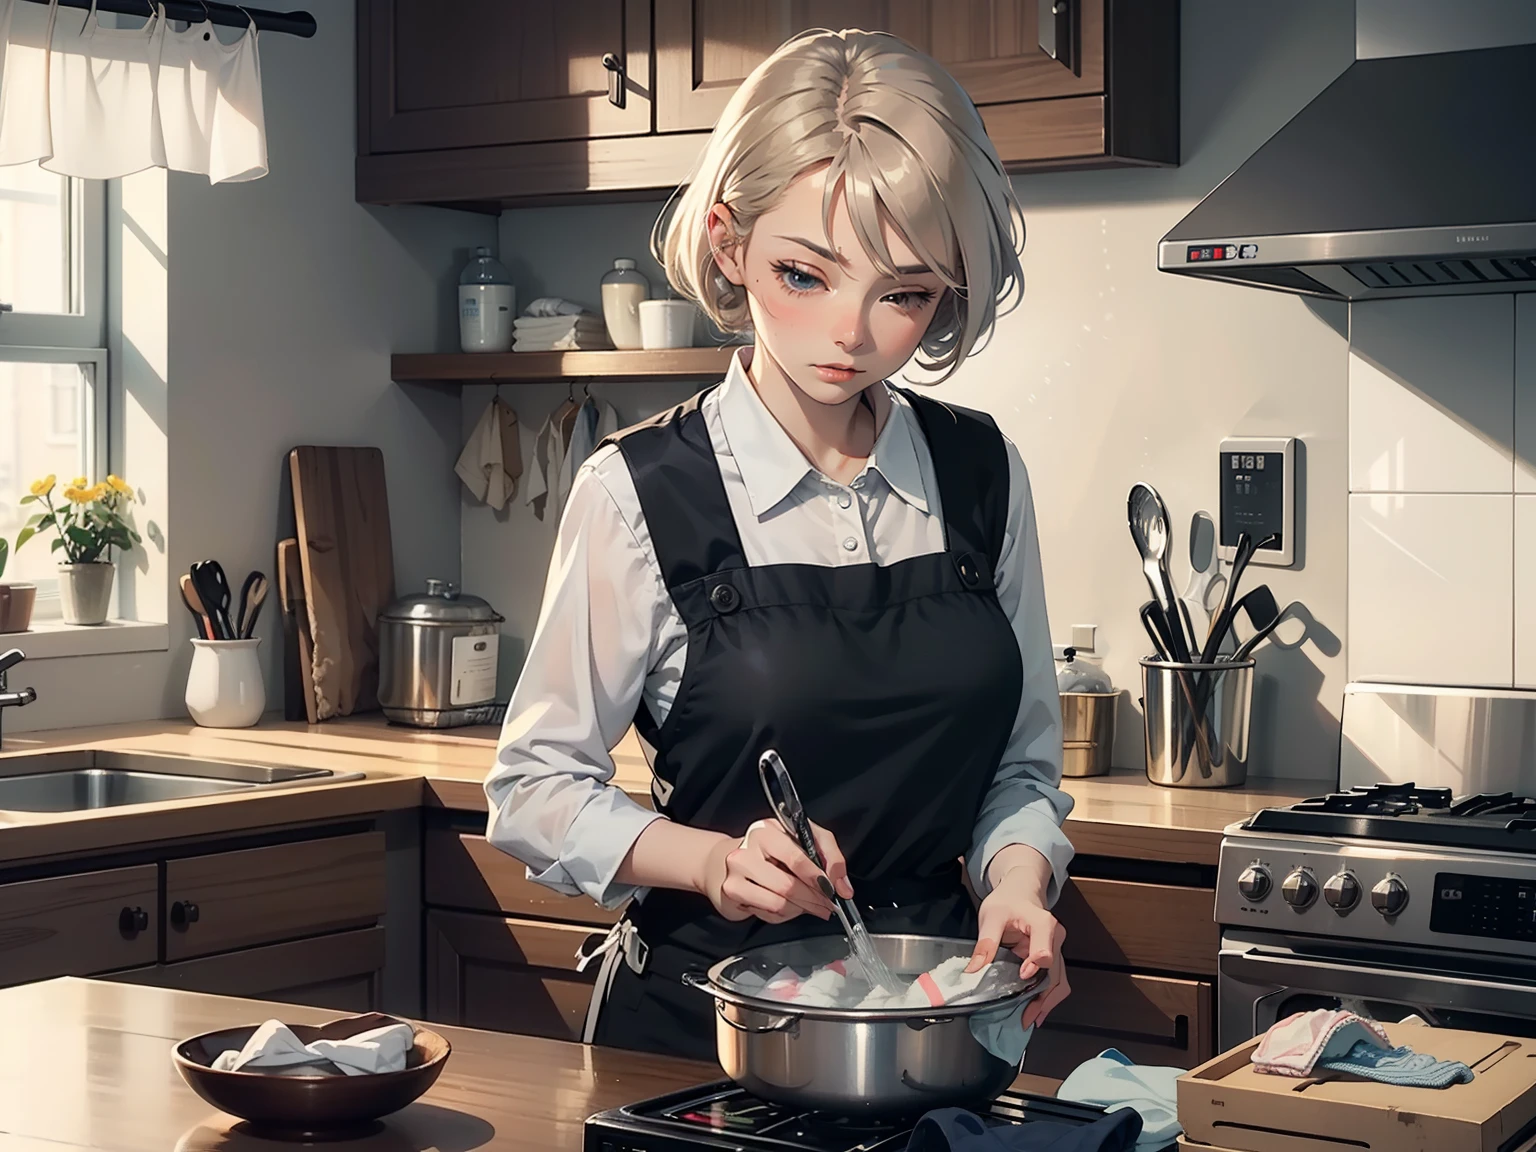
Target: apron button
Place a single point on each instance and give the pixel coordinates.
(725, 598)
(970, 575)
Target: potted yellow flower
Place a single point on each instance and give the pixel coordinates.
(93, 519)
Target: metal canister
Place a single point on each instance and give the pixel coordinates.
(438, 653)
(1087, 732)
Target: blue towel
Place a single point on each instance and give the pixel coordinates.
(1399, 1066)
(956, 1130)
(1112, 1082)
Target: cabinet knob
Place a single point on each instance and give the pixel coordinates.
(131, 921)
(615, 68)
(183, 912)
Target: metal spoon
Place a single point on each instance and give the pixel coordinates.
(785, 802)
(1148, 519)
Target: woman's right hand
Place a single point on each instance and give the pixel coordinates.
(765, 874)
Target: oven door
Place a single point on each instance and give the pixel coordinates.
(1264, 977)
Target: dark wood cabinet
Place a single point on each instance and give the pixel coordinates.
(481, 102)
(79, 925)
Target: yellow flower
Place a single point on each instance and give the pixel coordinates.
(120, 485)
(77, 495)
(99, 492)
(79, 482)
(44, 486)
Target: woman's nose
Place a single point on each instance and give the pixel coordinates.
(850, 331)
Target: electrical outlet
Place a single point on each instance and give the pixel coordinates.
(1083, 636)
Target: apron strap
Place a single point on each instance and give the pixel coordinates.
(622, 940)
(971, 463)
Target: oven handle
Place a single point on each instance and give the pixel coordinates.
(1430, 989)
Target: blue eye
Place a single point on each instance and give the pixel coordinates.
(796, 279)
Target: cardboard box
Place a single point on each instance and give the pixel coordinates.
(1226, 1105)
(1187, 1145)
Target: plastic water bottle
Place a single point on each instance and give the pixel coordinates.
(487, 305)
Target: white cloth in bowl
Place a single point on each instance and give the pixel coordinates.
(274, 1045)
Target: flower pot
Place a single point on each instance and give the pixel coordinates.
(16, 602)
(224, 684)
(85, 592)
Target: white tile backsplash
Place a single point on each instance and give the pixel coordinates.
(1525, 392)
(1431, 597)
(1431, 395)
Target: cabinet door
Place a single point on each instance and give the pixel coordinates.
(1149, 926)
(705, 48)
(483, 72)
(79, 925)
(263, 895)
(464, 871)
(1152, 1019)
(507, 975)
(342, 970)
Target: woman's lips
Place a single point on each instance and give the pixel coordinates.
(835, 374)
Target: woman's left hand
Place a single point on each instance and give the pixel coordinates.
(1014, 916)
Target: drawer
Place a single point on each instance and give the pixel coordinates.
(507, 975)
(1162, 927)
(263, 895)
(79, 925)
(1152, 1019)
(463, 870)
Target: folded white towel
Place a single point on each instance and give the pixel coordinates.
(570, 342)
(274, 1045)
(551, 306)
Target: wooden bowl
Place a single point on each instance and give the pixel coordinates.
(285, 1105)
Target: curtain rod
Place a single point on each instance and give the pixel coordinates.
(195, 12)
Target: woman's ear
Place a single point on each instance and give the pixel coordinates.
(725, 244)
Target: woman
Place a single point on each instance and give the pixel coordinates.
(805, 558)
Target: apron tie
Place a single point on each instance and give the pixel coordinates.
(624, 937)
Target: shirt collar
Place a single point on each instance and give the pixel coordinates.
(772, 465)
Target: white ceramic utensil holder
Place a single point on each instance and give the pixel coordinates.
(224, 684)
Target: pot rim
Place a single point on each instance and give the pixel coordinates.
(496, 618)
(710, 982)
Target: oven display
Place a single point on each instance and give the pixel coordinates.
(1494, 906)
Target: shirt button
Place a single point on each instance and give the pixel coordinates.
(844, 500)
(851, 544)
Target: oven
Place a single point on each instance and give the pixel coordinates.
(1263, 977)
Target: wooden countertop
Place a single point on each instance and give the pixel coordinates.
(1119, 814)
(88, 1067)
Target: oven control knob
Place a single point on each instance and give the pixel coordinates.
(1299, 888)
(1254, 883)
(1342, 891)
(1390, 896)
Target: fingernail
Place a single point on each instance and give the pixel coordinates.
(1028, 970)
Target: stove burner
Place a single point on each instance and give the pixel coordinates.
(1379, 800)
(1493, 804)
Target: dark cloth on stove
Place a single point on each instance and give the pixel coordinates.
(956, 1130)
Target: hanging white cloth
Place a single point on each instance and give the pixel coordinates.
(105, 102)
(492, 458)
(595, 421)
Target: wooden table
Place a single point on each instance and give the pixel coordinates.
(86, 1065)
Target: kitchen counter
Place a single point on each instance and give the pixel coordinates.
(1120, 814)
(89, 1067)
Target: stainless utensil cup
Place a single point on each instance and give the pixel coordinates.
(1221, 759)
(1087, 732)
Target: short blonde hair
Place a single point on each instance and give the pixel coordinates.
(901, 137)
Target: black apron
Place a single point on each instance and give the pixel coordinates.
(890, 691)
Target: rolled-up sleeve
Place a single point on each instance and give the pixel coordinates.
(1025, 804)
(551, 801)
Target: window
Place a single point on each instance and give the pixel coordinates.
(53, 360)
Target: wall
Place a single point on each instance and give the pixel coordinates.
(278, 303)
(1109, 373)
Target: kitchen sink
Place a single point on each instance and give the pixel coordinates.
(81, 780)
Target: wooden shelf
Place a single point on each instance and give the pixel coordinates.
(530, 367)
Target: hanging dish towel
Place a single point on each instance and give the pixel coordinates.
(492, 459)
(594, 422)
(549, 449)
(209, 99)
(25, 31)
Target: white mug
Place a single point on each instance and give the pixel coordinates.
(667, 323)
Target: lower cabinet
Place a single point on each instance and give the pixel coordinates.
(506, 974)
(79, 925)
(1152, 1019)
(342, 970)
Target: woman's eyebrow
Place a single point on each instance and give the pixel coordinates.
(827, 254)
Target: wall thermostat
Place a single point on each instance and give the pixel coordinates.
(1258, 496)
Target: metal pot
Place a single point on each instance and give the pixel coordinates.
(437, 658)
(856, 1062)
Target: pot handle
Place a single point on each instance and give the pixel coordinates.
(775, 1023)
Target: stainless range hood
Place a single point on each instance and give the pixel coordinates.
(1407, 176)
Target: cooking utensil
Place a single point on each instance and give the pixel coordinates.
(438, 657)
(857, 1062)
(289, 1104)
(252, 593)
(1219, 626)
(1245, 649)
(1205, 578)
(785, 802)
(1148, 519)
(213, 587)
(194, 604)
(1152, 620)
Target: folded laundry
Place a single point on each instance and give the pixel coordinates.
(1399, 1066)
(1341, 1041)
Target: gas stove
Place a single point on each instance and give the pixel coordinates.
(1389, 862)
(726, 1118)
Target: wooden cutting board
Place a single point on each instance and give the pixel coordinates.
(342, 510)
(298, 652)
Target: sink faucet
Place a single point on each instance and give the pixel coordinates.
(8, 661)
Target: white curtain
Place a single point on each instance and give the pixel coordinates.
(98, 102)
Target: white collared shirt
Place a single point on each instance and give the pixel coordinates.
(609, 637)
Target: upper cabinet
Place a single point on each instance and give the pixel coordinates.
(488, 102)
